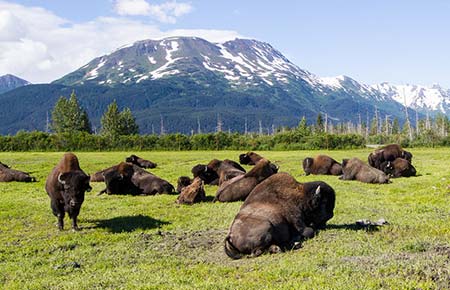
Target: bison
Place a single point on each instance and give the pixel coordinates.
(8, 174)
(226, 169)
(321, 164)
(182, 182)
(387, 153)
(239, 187)
(278, 214)
(192, 193)
(66, 185)
(208, 175)
(127, 178)
(356, 169)
(136, 160)
(398, 168)
(249, 158)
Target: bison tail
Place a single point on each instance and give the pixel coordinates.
(231, 250)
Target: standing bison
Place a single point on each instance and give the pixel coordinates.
(398, 168)
(278, 214)
(388, 153)
(8, 174)
(356, 169)
(65, 186)
(321, 165)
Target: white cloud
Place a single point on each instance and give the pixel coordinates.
(167, 12)
(39, 46)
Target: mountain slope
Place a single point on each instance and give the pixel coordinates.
(9, 82)
(187, 83)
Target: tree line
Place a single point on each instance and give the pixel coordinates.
(71, 130)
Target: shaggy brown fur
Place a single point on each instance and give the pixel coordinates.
(225, 169)
(321, 164)
(240, 186)
(192, 193)
(65, 186)
(356, 169)
(398, 168)
(278, 214)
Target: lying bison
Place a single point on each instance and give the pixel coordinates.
(239, 187)
(356, 169)
(208, 175)
(398, 168)
(226, 169)
(249, 158)
(192, 193)
(321, 165)
(127, 178)
(278, 214)
(388, 153)
(65, 186)
(8, 174)
(136, 160)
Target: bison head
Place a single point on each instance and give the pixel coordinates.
(207, 174)
(387, 167)
(75, 184)
(307, 163)
(407, 155)
(244, 159)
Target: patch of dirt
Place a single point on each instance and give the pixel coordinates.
(200, 246)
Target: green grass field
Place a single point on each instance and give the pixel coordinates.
(150, 242)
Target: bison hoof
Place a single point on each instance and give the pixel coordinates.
(274, 249)
(308, 233)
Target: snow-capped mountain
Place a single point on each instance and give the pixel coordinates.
(241, 62)
(422, 98)
(9, 82)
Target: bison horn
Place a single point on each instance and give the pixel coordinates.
(59, 179)
(317, 191)
(206, 168)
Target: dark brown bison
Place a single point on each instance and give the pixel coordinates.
(321, 164)
(239, 187)
(8, 174)
(388, 153)
(136, 160)
(278, 214)
(192, 193)
(65, 186)
(398, 168)
(127, 178)
(208, 175)
(356, 169)
(182, 182)
(249, 158)
(226, 169)
(98, 176)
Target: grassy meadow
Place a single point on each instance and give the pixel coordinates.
(150, 242)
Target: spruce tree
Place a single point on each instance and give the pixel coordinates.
(111, 120)
(127, 122)
(69, 117)
(319, 123)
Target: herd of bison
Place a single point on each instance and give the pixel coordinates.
(278, 212)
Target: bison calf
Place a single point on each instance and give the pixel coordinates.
(65, 186)
(278, 214)
(192, 193)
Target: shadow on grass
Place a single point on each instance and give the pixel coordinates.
(128, 223)
(352, 227)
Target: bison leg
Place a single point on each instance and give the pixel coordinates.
(58, 211)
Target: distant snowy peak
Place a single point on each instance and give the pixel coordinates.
(242, 62)
(433, 98)
(9, 82)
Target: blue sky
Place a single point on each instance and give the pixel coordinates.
(371, 41)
